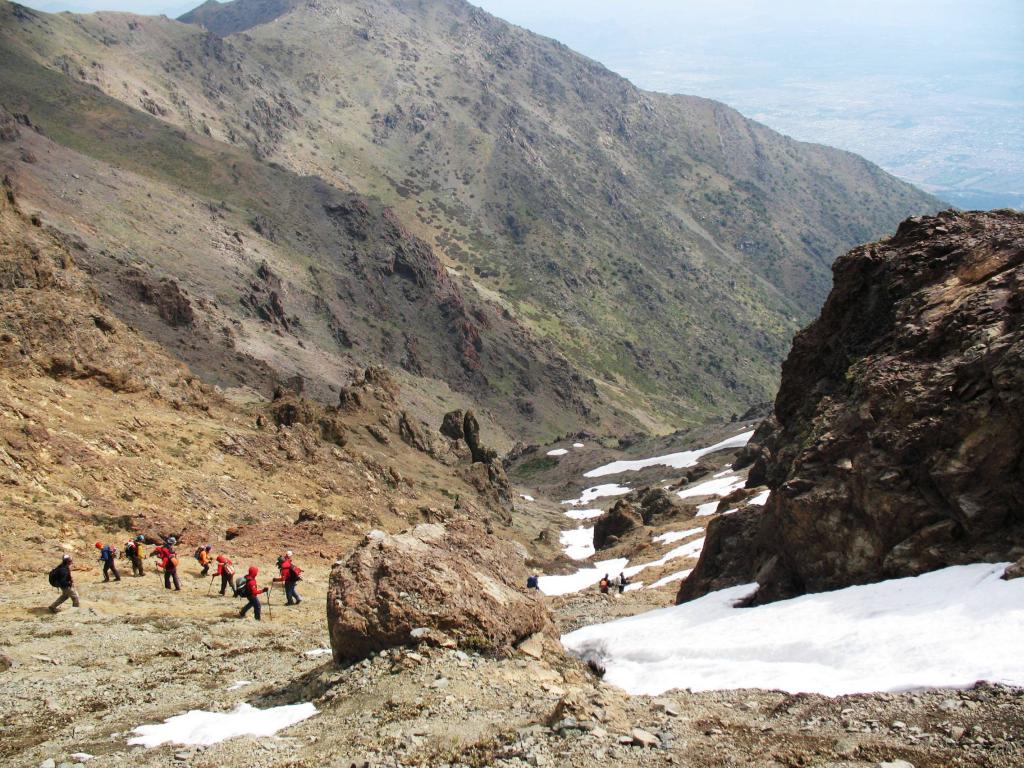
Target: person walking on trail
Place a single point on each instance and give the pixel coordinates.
(621, 583)
(60, 578)
(251, 591)
(107, 555)
(604, 584)
(168, 563)
(226, 571)
(203, 556)
(291, 575)
(133, 551)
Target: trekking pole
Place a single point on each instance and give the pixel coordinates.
(210, 585)
(270, 613)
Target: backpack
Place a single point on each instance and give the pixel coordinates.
(130, 549)
(240, 588)
(196, 553)
(603, 584)
(173, 562)
(54, 578)
(296, 573)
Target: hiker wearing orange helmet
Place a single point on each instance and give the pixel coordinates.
(107, 555)
(251, 591)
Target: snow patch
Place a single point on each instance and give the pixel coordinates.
(761, 499)
(675, 460)
(239, 684)
(703, 510)
(878, 637)
(583, 578)
(677, 576)
(558, 452)
(690, 549)
(673, 536)
(206, 728)
(578, 543)
(721, 486)
(578, 445)
(597, 492)
(318, 652)
(584, 514)
(526, 497)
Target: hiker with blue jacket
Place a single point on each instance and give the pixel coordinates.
(107, 557)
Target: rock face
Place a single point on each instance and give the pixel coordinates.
(455, 580)
(899, 443)
(619, 520)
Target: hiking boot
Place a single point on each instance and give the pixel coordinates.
(54, 610)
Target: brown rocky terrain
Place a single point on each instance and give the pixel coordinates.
(896, 444)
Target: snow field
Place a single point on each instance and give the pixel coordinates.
(720, 486)
(206, 728)
(584, 514)
(597, 492)
(583, 578)
(673, 536)
(677, 576)
(578, 543)
(675, 460)
(948, 628)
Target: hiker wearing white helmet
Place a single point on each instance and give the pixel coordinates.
(291, 575)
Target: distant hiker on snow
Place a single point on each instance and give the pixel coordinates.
(226, 571)
(203, 556)
(133, 551)
(168, 563)
(532, 582)
(60, 578)
(621, 582)
(291, 575)
(252, 592)
(107, 555)
(603, 585)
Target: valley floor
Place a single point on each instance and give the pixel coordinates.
(133, 654)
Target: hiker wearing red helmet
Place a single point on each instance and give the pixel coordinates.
(251, 591)
(107, 555)
(226, 571)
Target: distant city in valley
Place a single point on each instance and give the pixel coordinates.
(933, 92)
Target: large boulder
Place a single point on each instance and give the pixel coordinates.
(616, 522)
(454, 581)
(898, 440)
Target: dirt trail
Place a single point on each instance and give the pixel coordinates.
(135, 654)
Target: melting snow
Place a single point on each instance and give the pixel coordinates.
(721, 486)
(761, 499)
(318, 652)
(690, 549)
(677, 576)
(578, 543)
(526, 497)
(577, 445)
(674, 536)
(674, 460)
(634, 587)
(703, 510)
(583, 578)
(597, 492)
(558, 452)
(199, 727)
(878, 637)
(584, 514)
(239, 684)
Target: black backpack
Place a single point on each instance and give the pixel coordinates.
(54, 577)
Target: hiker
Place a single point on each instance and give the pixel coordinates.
(226, 571)
(107, 555)
(168, 563)
(133, 551)
(621, 583)
(251, 591)
(60, 577)
(603, 584)
(532, 582)
(203, 556)
(291, 575)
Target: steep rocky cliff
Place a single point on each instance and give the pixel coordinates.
(897, 444)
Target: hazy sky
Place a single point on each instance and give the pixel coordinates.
(933, 90)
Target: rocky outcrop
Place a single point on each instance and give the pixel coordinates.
(899, 444)
(454, 581)
(615, 523)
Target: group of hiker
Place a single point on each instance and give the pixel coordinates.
(619, 582)
(167, 563)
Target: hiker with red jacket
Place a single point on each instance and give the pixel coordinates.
(226, 571)
(291, 575)
(167, 561)
(251, 591)
(107, 555)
